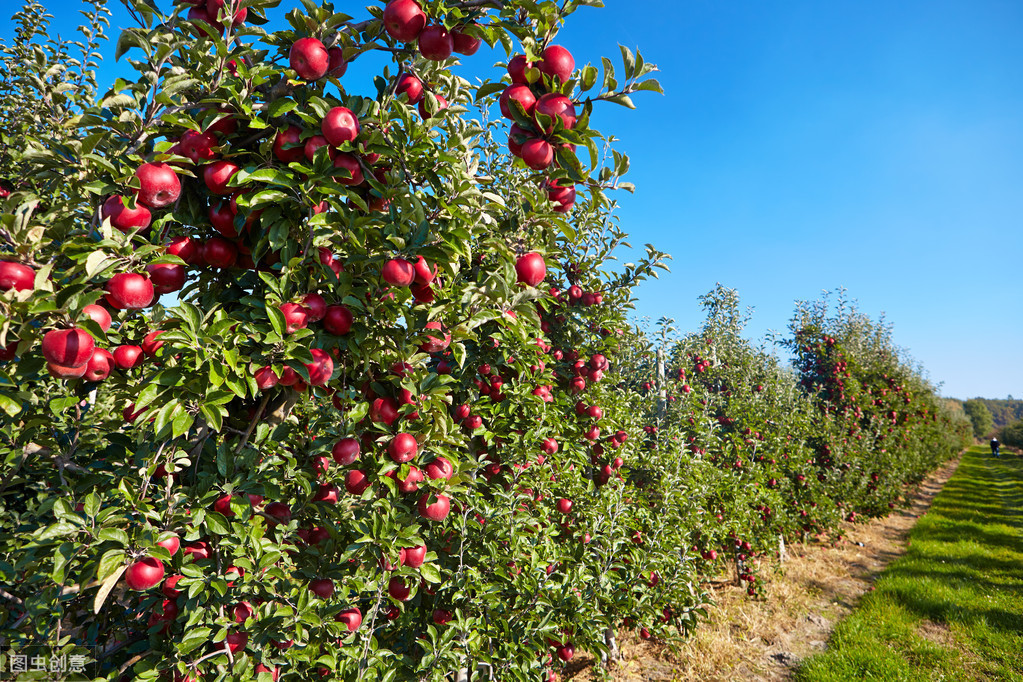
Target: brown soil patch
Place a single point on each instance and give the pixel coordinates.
(812, 589)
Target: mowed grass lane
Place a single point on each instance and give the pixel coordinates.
(952, 607)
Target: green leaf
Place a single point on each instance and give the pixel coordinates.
(59, 405)
(109, 562)
(629, 61)
(9, 405)
(181, 423)
(57, 530)
(276, 319)
(430, 573)
(623, 100)
(649, 84)
(91, 504)
(489, 89)
(95, 263)
(191, 315)
(214, 415)
(106, 587)
(113, 535)
(281, 106)
(193, 639)
(272, 175)
(218, 523)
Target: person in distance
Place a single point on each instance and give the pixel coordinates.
(994, 447)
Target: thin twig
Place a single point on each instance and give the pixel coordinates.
(252, 424)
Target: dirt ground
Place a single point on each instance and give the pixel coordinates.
(812, 589)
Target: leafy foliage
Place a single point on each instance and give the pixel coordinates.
(389, 446)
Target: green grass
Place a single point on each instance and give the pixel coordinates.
(952, 607)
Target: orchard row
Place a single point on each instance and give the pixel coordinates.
(300, 383)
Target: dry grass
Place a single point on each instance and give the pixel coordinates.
(750, 640)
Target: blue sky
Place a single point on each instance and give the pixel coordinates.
(802, 146)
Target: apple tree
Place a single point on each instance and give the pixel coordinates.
(291, 374)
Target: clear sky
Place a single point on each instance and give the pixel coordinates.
(805, 145)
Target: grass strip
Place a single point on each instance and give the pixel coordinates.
(952, 607)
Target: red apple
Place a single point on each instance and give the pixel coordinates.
(217, 175)
(521, 94)
(236, 641)
(68, 347)
(187, 249)
(530, 269)
(517, 68)
(278, 513)
(330, 260)
(403, 448)
(309, 59)
(159, 185)
(321, 368)
(537, 153)
(350, 171)
(171, 544)
(423, 273)
(410, 483)
(564, 505)
(397, 588)
(555, 105)
(436, 43)
(168, 588)
(219, 253)
(316, 306)
(340, 125)
(327, 492)
(352, 618)
(129, 290)
(415, 556)
(561, 195)
(435, 511)
(404, 20)
(123, 218)
(222, 218)
(346, 451)
(398, 272)
(296, 316)
(516, 137)
(100, 365)
(356, 482)
(16, 276)
(196, 146)
(338, 320)
(384, 410)
(435, 344)
(64, 372)
(198, 549)
(151, 342)
(439, 468)
(265, 378)
(557, 63)
(144, 574)
(288, 144)
(314, 143)
(411, 86)
(166, 277)
(442, 104)
(465, 43)
(337, 66)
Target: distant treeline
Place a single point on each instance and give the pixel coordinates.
(1003, 412)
